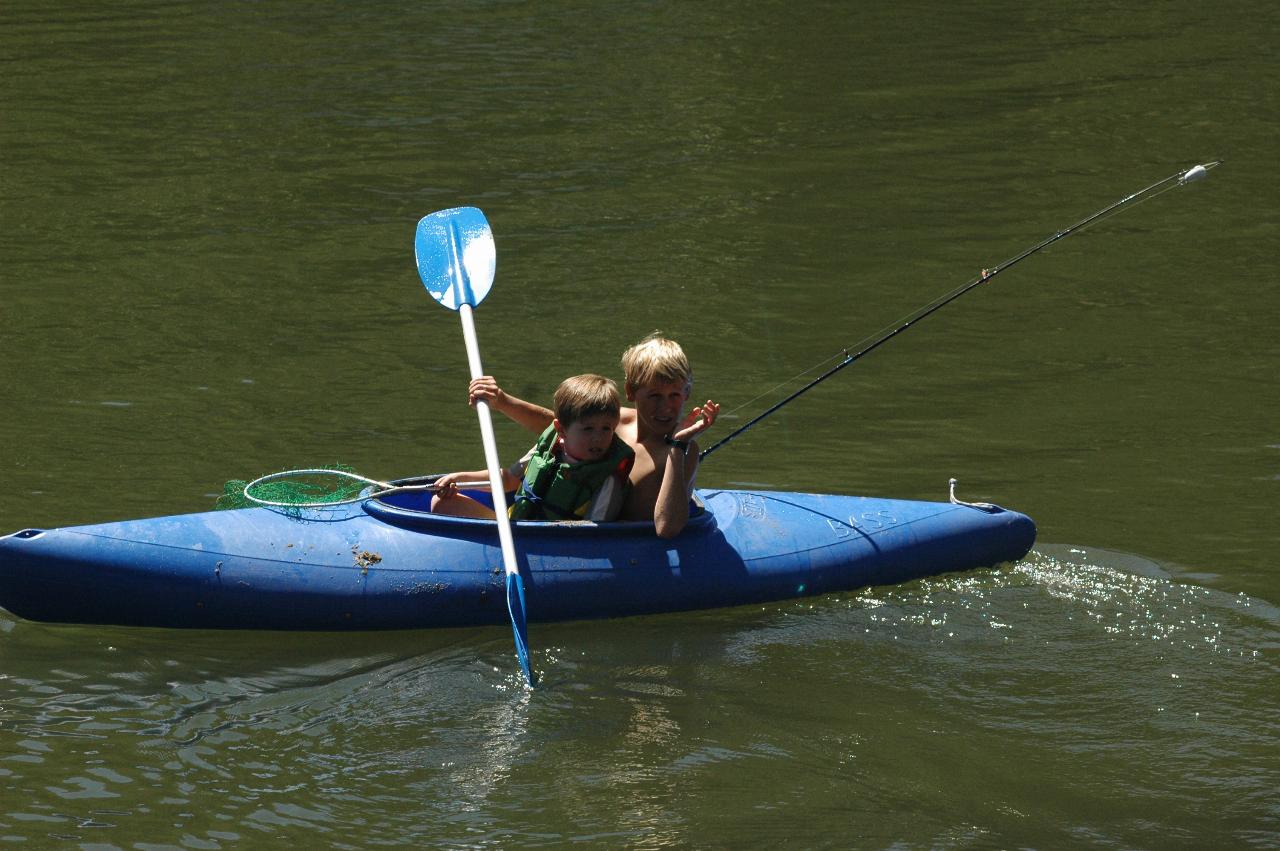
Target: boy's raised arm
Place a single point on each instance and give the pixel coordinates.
(533, 417)
(671, 510)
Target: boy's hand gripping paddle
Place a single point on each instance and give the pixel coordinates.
(456, 259)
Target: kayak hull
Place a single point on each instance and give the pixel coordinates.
(390, 564)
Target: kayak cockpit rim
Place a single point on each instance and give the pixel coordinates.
(412, 510)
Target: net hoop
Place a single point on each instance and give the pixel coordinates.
(381, 487)
(375, 488)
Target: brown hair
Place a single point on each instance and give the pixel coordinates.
(655, 358)
(585, 396)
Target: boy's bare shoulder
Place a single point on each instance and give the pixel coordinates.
(627, 427)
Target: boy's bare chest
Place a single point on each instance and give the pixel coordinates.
(647, 468)
(646, 480)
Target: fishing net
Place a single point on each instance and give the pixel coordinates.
(334, 484)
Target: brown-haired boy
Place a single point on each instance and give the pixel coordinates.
(576, 471)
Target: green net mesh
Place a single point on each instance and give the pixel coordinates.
(295, 490)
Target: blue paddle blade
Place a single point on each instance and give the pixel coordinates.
(456, 256)
(515, 606)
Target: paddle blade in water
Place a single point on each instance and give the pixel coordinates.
(456, 256)
(515, 607)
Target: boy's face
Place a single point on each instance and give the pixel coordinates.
(659, 404)
(588, 438)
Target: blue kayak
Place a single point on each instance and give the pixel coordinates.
(388, 563)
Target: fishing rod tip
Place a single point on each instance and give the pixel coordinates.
(1193, 174)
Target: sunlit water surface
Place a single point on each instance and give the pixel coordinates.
(207, 275)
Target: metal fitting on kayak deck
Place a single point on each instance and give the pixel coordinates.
(984, 506)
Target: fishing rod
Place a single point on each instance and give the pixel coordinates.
(1173, 181)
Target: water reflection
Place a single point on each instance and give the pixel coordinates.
(433, 734)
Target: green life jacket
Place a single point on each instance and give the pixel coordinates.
(557, 490)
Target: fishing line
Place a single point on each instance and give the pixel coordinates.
(871, 343)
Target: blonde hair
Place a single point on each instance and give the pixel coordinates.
(656, 359)
(585, 396)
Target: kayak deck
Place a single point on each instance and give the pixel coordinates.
(390, 564)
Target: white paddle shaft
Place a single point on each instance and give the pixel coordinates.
(490, 447)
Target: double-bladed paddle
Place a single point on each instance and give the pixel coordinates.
(456, 259)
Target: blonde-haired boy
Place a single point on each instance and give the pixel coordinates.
(658, 382)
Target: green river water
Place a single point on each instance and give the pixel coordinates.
(206, 273)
